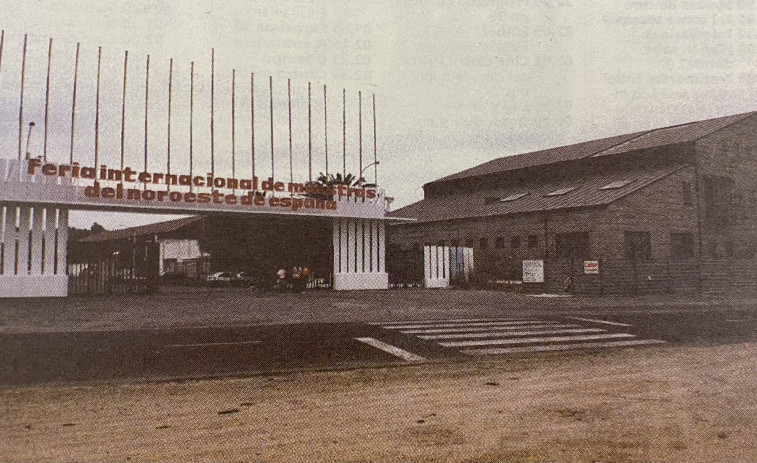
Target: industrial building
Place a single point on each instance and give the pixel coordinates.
(667, 209)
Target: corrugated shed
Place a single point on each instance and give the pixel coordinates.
(606, 146)
(143, 230)
(587, 192)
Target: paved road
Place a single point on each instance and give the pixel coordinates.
(174, 353)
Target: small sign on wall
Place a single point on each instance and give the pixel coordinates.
(533, 271)
(591, 267)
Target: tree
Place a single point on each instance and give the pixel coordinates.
(97, 228)
(348, 180)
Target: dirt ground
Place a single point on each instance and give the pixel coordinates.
(646, 404)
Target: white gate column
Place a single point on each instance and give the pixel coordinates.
(26, 270)
(436, 262)
(359, 254)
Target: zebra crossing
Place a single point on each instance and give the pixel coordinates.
(497, 336)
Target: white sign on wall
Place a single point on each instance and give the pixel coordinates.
(533, 271)
(591, 267)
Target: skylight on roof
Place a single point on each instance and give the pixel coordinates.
(561, 191)
(513, 197)
(615, 185)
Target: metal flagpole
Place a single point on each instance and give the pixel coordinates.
(212, 109)
(97, 108)
(375, 156)
(47, 97)
(21, 102)
(310, 140)
(325, 131)
(270, 95)
(73, 104)
(289, 98)
(168, 144)
(252, 123)
(360, 133)
(147, 88)
(2, 44)
(233, 124)
(344, 132)
(191, 117)
(123, 111)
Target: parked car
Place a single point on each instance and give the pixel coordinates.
(220, 278)
(244, 279)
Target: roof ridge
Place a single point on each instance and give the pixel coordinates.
(744, 116)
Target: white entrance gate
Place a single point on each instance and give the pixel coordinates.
(34, 228)
(443, 265)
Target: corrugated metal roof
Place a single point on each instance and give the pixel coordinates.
(587, 193)
(671, 135)
(606, 146)
(143, 230)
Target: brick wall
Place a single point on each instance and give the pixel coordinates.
(731, 152)
(658, 208)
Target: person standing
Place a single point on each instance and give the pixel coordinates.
(281, 276)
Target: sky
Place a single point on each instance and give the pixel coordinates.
(456, 83)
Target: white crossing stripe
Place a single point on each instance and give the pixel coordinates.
(490, 334)
(559, 347)
(599, 321)
(451, 325)
(490, 342)
(451, 320)
(394, 350)
(208, 344)
(502, 329)
(481, 336)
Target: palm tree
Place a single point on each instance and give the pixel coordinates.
(331, 180)
(349, 180)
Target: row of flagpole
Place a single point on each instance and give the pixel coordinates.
(191, 116)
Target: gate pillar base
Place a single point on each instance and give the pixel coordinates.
(33, 285)
(352, 281)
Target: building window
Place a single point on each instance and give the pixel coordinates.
(681, 246)
(615, 185)
(561, 191)
(533, 241)
(499, 243)
(687, 200)
(572, 244)
(718, 198)
(483, 243)
(513, 197)
(638, 245)
(515, 242)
